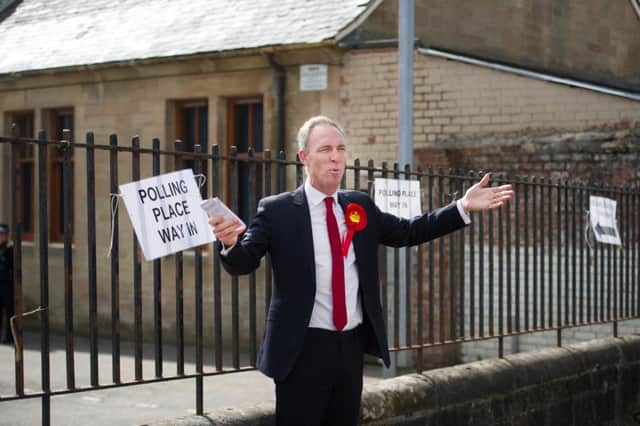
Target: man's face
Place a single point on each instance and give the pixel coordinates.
(325, 158)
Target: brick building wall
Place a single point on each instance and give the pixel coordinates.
(458, 105)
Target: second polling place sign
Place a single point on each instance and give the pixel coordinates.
(165, 213)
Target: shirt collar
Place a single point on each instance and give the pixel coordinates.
(315, 197)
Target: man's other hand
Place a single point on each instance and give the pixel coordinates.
(483, 197)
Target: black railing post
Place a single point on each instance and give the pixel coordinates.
(17, 214)
(91, 246)
(235, 316)
(67, 191)
(115, 260)
(157, 278)
(179, 283)
(137, 270)
(197, 161)
(44, 276)
(217, 280)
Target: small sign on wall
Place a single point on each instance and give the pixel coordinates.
(602, 216)
(398, 197)
(165, 213)
(313, 77)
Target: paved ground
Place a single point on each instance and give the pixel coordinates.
(130, 405)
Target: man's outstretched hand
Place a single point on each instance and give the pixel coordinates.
(482, 197)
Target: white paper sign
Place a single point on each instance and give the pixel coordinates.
(165, 213)
(401, 198)
(313, 77)
(602, 214)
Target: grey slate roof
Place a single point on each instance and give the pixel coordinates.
(46, 34)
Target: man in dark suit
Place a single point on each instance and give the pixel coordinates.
(325, 310)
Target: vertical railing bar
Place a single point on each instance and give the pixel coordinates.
(509, 248)
(384, 272)
(491, 272)
(420, 296)
(17, 197)
(500, 282)
(44, 277)
(516, 272)
(559, 294)
(603, 281)
(356, 174)
(253, 339)
(441, 266)
(137, 271)
(407, 258)
(452, 271)
(91, 246)
(636, 250)
(481, 295)
(550, 249)
(543, 185)
(115, 261)
(627, 251)
(566, 230)
(157, 278)
(526, 254)
(591, 286)
(431, 266)
(610, 296)
(534, 264)
(461, 263)
(472, 276)
(235, 319)
(574, 273)
(68, 259)
(199, 355)
(396, 281)
(217, 267)
(580, 237)
(179, 283)
(268, 278)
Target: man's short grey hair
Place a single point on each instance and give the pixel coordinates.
(307, 127)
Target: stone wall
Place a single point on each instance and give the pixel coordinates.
(591, 383)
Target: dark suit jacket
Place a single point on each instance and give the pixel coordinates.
(282, 227)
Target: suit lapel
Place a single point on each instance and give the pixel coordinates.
(303, 231)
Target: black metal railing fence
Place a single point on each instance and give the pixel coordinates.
(522, 269)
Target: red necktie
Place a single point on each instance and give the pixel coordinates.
(337, 269)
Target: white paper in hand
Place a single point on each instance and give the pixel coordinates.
(213, 206)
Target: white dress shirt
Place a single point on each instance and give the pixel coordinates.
(322, 314)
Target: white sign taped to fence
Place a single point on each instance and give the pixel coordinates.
(602, 215)
(399, 197)
(165, 213)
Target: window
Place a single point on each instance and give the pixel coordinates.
(24, 128)
(56, 121)
(192, 128)
(244, 130)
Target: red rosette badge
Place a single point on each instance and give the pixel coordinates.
(356, 219)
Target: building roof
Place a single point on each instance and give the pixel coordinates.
(49, 34)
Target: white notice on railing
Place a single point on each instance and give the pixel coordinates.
(399, 197)
(602, 213)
